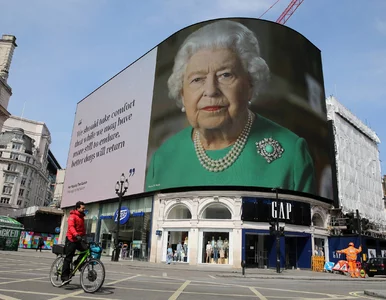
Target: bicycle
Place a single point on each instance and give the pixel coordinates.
(88, 266)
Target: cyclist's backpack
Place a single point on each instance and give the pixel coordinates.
(96, 251)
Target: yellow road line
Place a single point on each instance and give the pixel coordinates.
(362, 295)
(179, 291)
(257, 293)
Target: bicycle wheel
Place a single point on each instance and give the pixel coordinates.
(92, 275)
(56, 271)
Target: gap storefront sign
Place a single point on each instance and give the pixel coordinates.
(267, 210)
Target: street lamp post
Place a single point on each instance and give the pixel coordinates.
(120, 189)
(277, 231)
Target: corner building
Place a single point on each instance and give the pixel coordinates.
(176, 204)
(239, 221)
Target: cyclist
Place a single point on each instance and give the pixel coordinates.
(75, 232)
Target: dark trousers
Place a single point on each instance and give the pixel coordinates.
(39, 247)
(71, 247)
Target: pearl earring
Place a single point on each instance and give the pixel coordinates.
(249, 103)
(183, 109)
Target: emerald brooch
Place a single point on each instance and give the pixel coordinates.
(270, 149)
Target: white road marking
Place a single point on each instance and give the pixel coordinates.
(257, 293)
(28, 292)
(23, 270)
(123, 279)
(81, 291)
(22, 280)
(179, 291)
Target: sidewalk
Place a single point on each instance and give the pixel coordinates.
(376, 293)
(224, 271)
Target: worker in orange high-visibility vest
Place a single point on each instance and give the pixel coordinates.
(351, 257)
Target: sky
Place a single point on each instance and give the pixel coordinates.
(67, 49)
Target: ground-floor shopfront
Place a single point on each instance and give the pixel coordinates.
(261, 249)
(134, 230)
(228, 229)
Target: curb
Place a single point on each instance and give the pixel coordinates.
(290, 277)
(380, 294)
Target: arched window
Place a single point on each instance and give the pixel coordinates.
(180, 211)
(216, 211)
(317, 220)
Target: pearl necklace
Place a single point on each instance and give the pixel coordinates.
(221, 164)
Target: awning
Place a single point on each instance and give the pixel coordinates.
(7, 222)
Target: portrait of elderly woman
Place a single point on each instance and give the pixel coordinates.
(217, 73)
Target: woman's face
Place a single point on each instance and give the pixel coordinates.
(216, 89)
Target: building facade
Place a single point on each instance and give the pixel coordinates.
(24, 164)
(265, 195)
(53, 168)
(359, 185)
(7, 47)
(58, 190)
(236, 224)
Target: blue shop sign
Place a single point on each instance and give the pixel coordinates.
(124, 215)
(138, 214)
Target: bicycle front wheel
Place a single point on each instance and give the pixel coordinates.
(92, 276)
(56, 271)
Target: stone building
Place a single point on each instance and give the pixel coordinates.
(24, 146)
(7, 47)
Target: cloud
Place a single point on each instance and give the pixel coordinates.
(380, 25)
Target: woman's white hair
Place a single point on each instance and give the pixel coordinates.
(217, 35)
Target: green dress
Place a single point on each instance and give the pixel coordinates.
(175, 163)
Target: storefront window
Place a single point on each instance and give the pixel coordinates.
(319, 246)
(217, 211)
(178, 243)
(215, 247)
(134, 233)
(179, 211)
(317, 220)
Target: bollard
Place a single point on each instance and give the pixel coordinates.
(243, 266)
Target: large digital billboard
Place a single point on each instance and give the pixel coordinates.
(230, 102)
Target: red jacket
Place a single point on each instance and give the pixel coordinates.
(75, 225)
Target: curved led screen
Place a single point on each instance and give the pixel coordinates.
(229, 102)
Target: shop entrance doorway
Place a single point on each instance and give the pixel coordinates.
(295, 252)
(256, 252)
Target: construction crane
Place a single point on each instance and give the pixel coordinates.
(287, 13)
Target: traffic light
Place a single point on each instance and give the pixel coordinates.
(365, 224)
(351, 222)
